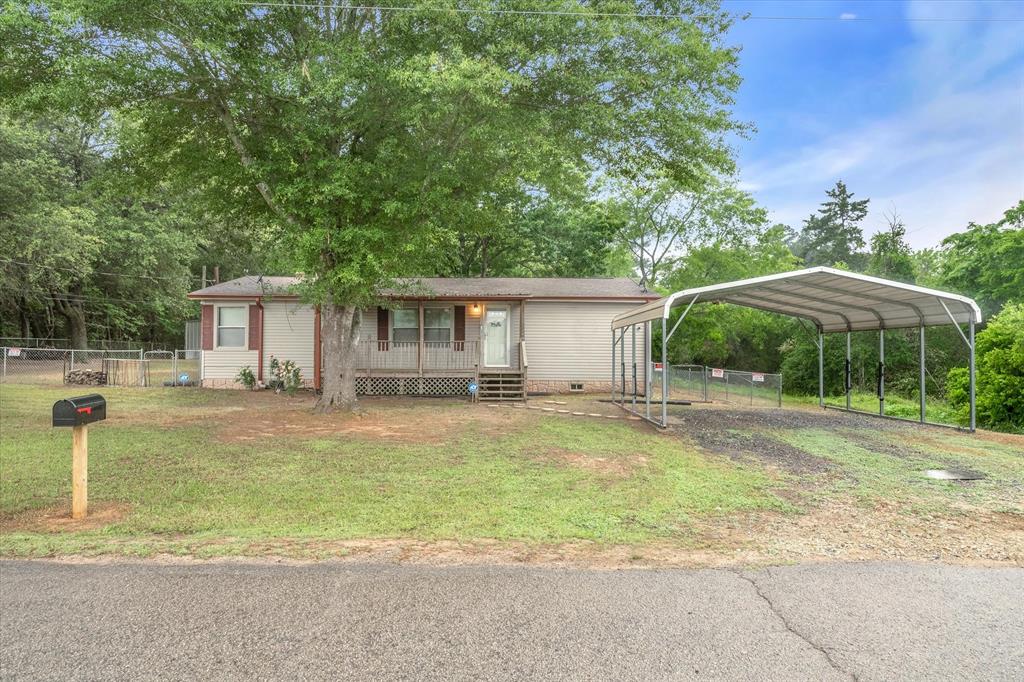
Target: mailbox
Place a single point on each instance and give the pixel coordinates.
(85, 409)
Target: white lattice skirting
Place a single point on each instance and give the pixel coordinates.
(442, 386)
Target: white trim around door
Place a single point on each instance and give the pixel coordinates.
(487, 328)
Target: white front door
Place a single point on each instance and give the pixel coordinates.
(496, 336)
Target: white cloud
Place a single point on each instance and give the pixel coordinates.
(847, 16)
(955, 154)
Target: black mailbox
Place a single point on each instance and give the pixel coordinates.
(85, 409)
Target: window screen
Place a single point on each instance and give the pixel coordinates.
(231, 326)
(437, 324)
(405, 326)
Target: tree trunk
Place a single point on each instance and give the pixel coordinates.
(26, 326)
(339, 336)
(73, 312)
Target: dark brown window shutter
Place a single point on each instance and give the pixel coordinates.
(382, 329)
(206, 327)
(460, 328)
(255, 332)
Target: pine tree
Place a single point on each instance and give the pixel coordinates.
(834, 235)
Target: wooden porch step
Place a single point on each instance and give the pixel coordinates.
(507, 386)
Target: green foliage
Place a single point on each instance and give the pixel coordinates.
(247, 378)
(87, 242)
(725, 335)
(660, 220)
(552, 238)
(987, 261)
(1000, 374)
(286, 376)
(891, 256)
(834, 235)
(374, 137)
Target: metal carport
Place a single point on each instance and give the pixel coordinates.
(832, 300)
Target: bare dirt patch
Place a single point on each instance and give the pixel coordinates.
(840, 531)
(620, 466)
(962, 443)
(843, 530)
(762, 447)
(58, 519)
(403, 420)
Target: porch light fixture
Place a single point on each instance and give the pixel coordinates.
(476, 308)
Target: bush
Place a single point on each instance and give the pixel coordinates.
(999, 355)
(286, 376)
(246, 378)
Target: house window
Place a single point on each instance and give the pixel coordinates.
(437, 324)
(231, 326)
(576, 388)
(405, 325)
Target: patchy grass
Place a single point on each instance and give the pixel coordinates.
(219, 473)
(472, 475)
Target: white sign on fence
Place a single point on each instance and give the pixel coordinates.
(717, 373)
(756, 376)
(657, 367)
(13, 352)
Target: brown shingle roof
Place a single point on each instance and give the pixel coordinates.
(455, 287)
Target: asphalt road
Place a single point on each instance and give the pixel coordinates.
(333, 620)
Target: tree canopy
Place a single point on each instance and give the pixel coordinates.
(833, 235)
(370, 135)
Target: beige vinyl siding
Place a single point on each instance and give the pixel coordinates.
(572, 340)
(368, 333)
(288, 333)
(224, 364)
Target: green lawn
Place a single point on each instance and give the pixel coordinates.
(480, 475)
(223, 472)
(936, 411)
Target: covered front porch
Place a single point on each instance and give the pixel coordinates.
(442, 347)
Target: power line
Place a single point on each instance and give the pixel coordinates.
(617, 15)
(88, 298)
(155, 278)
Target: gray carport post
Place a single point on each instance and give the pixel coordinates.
(835, 301)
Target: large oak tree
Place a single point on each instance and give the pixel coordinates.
(372, 135)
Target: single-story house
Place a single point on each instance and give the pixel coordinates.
(507, 335)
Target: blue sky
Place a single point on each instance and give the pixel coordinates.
(925, 117)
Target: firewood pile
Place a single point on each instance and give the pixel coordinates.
(86, 377)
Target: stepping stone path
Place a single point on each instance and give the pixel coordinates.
(626, 417)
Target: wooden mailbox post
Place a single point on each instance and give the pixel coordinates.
(78, 413)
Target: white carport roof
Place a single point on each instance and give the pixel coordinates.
(834, 300)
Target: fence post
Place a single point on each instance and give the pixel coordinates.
(4, 375)
(751, 390)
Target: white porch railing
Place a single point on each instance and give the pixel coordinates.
(433, 356)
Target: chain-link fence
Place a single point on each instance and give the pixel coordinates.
(129, 367)
(65, 344)
(187, 364)
(744, 388)
(700, 383)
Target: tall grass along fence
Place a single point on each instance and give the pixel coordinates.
(128, 367)
(698, 382)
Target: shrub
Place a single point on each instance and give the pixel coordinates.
(999, 355)
(286, 376)
(246, 378)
